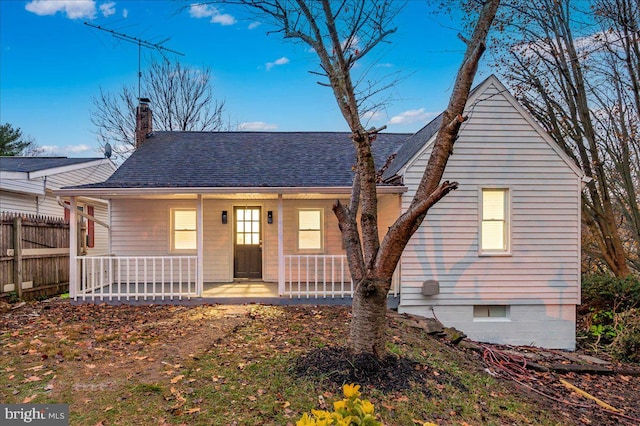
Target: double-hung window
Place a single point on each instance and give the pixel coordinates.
(494, 221)
(310, 229)
(183, 230)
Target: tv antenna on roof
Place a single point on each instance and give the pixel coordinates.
(141, 43)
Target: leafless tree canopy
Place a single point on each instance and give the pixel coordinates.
(181, 99)
(577, 70)
(342, 33)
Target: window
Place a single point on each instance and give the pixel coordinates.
(494, 226)
(310, 229)
(490, 312)
(183, 230)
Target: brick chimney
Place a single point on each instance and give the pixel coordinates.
(144, 121)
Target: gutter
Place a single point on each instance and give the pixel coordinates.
(106, 192)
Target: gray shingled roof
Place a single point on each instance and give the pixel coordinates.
(245, 159)
(34, 164)
(412, 146)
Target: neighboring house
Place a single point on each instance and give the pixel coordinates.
(27, 186)
(499, 258)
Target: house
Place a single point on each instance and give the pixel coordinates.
(27, 186)
(198, 215)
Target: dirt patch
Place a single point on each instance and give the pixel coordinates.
(100, 346)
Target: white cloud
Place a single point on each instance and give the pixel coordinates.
(125, 13)
(254, 25)
(281, 61)
(71, 150)
(412, 116)
(254, 126)
(108, 9)
(74, 9)
(223, 19)
(208, 11)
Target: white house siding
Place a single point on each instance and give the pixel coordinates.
(101, 233)
(540, 280)
(17, 202)
(81, 176)
(141, 227)
(35, 196)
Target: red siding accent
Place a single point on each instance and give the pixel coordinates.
(91, 228)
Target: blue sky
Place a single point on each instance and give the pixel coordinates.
(51, 65)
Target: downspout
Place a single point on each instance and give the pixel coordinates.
(83, 214)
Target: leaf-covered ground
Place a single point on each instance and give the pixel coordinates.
(249, 365)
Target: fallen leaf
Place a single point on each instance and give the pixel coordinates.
(36, 368)
(90, 366)
(177, 378)
(28, 399)
(31, 379)
(192, 410)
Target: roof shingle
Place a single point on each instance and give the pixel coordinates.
(245, 159)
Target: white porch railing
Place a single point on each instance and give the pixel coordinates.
(126, 277)
(317, 276)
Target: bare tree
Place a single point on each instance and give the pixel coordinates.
(342, 33)
(181, 99)
(583, 90)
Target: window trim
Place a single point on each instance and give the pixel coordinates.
(488, 318)
(321, 249)
(172, 230)
(507, 221)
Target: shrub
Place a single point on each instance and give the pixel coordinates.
(626, 344)
(606, 292)
(612, 317)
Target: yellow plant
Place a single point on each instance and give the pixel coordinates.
(347, 412)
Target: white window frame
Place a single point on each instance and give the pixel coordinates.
(320, 249)
(478, 313)
(506, 251)
(172, 247)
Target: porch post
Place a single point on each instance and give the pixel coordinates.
(200, 244)
(74, 272)
(281, 276)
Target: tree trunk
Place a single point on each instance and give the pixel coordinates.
(380, 260)
(368, 323)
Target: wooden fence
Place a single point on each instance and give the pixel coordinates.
(34, 255)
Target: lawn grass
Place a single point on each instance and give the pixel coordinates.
(204, 366)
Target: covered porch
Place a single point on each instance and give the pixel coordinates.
(145, 262)
(160, 278)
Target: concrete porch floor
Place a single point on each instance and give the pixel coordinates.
(244, 288)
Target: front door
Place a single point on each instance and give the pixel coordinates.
(248, 243)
